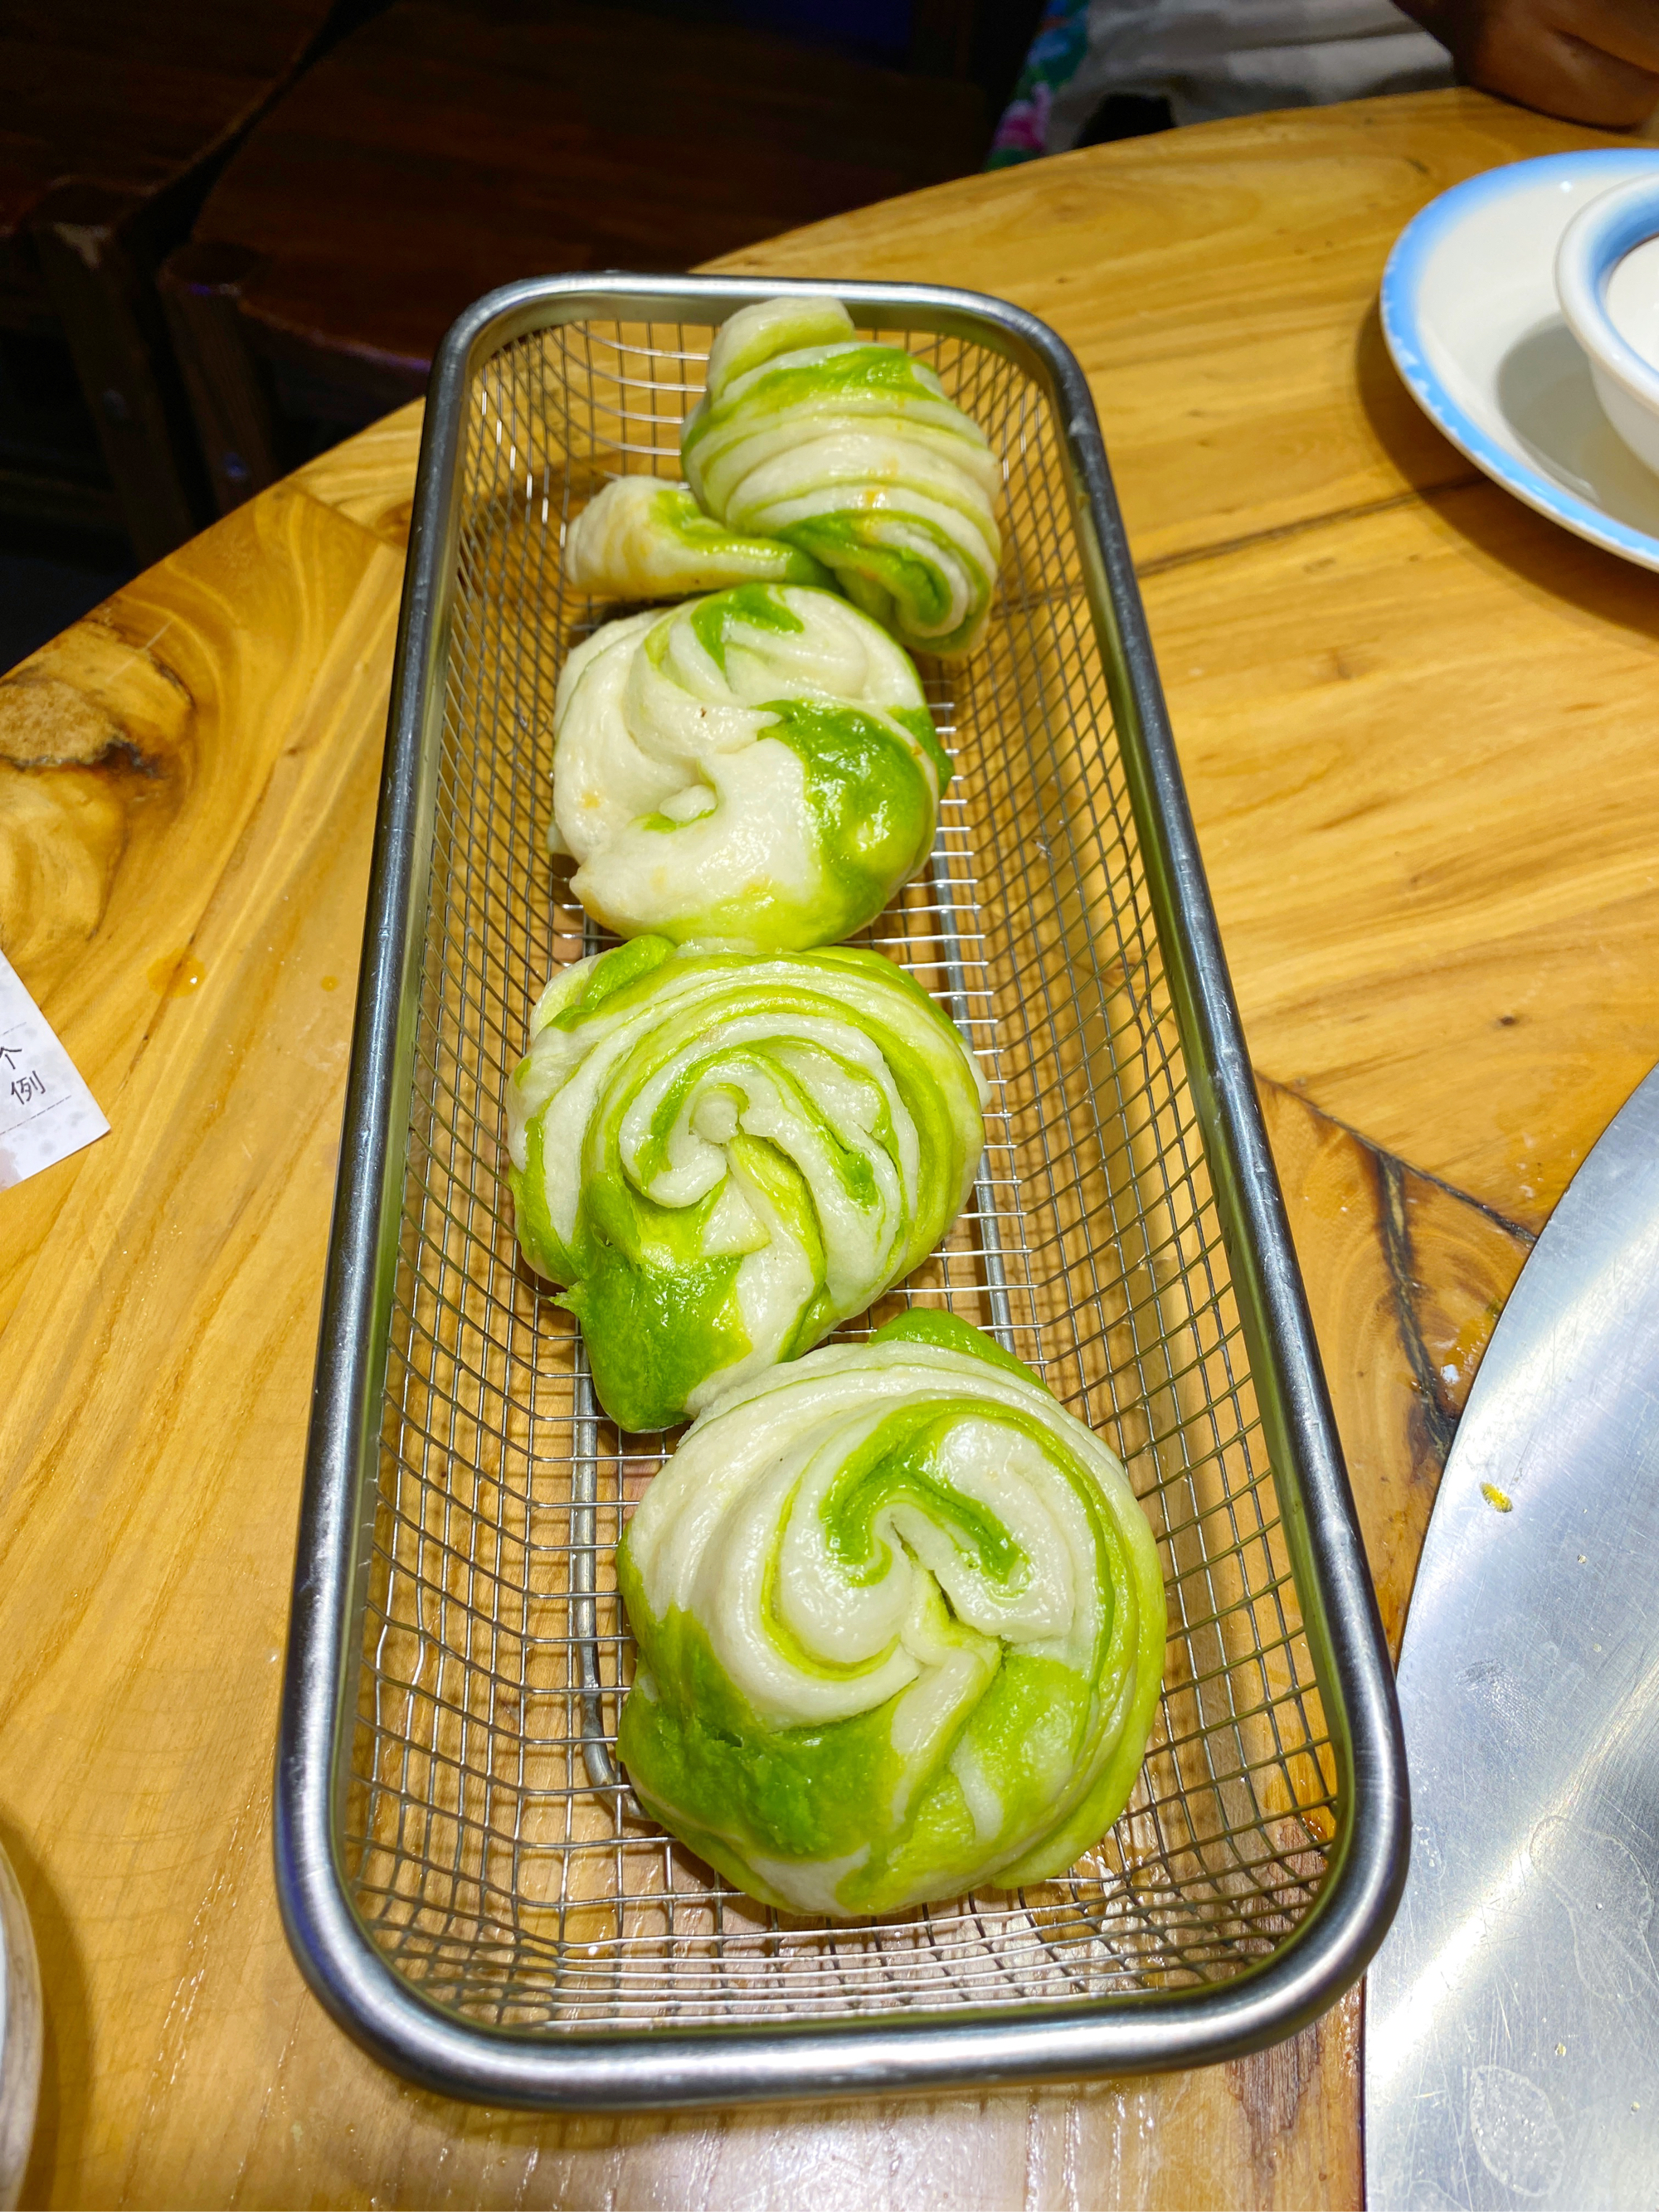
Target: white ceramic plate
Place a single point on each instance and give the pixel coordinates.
(1469, 312)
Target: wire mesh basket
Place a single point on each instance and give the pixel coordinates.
(466, 1877)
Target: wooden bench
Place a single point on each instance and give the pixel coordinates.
(116, 115)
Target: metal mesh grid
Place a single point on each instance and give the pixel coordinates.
(493, 1850)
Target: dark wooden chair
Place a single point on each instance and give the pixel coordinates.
(452, 145)
(114, 114)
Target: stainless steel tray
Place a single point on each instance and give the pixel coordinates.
(466, 1879)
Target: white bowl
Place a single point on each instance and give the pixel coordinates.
(1475, 328)
(1602, 257)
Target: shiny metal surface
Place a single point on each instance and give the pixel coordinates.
(1512, 2015)
(464, 1873)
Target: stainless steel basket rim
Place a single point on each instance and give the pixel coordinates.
(666, 2067)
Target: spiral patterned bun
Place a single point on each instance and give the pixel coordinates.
(722, 1156)
(641, 539)
(755, 771)
(851, 452)
(901, 1628)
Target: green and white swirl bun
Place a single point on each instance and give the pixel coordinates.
(851, 452)
(641, 539)
(721, 1157)
(901, 1628)
(755, 771)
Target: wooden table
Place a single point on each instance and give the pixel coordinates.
(1416, 723)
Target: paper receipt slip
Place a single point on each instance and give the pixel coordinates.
(46, 1112)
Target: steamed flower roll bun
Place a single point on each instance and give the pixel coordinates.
(719, 1157)
(851, 452)
(641, 539)
(899, 1624)
(755, 771)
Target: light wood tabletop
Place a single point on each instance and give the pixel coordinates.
(1415, 721)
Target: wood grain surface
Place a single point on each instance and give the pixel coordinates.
(1410, 721)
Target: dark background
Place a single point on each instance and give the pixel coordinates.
(288, 204)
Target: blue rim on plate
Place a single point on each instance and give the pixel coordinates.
(1401, 285)
(1614, 223)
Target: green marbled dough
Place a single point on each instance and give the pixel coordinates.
(755, 771)
(720, 1156)
(642, 538)
(901, 1628)
(850, 452)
